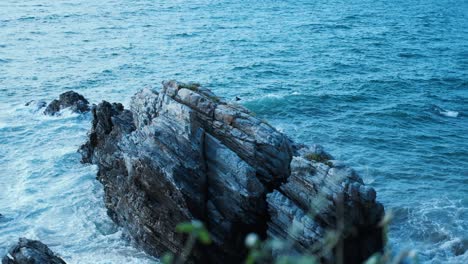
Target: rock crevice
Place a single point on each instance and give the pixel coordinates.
(181, 153)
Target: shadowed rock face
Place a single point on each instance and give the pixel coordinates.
(181, 153)
(31, 252)
(76, 102)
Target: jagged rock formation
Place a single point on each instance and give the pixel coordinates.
(31, 252)
(181, 153)
(75, 101)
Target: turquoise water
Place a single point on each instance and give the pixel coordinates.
(383, 85)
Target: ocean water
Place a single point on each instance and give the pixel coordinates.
(382, 85)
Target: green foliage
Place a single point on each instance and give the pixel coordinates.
(260, 251)
(305, 259)
(214, 98)
(186, 227)
(316, 157)
(167, 258)
(319, 158)
(374, 259)
(191, 86)
(196, 229)
(255, 246)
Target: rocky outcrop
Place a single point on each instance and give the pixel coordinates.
(31, 252)
(181, 153)
(72, 100)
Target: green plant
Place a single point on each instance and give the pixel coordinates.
(191, 86)
(323, 158)
(259, 251)
(214, 98)
(329, 248)
(196, 231)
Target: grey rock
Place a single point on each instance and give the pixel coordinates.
(72, 100)
(330, 195)
(287, 214)
(36, 105)
(31, 252)
(181, 153)
(460, 247)
(367, 194)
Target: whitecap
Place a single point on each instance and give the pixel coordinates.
(448, 113)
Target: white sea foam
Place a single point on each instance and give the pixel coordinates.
(51, 196)
(448, 113)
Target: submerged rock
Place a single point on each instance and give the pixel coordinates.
(36, 105)
(72, 100)
(31, 252)
(181, 153)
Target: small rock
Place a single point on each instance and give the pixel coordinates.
(31, 252)
(460, 247)
(367, 193)
(36, 104)
(76, 102)
(354, 191)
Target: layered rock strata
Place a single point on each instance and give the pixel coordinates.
(181, 153)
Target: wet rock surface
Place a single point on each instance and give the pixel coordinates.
(72, 100)
(181, 153)
(36, 105)
(31, 252)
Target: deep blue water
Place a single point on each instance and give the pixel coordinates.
(383, 85)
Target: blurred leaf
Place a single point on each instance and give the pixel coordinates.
(386, 219)
(296, 260)
(250, 259)
(253, 256)
(168, 258)
(204, 237)
(185, 227)
(374, 259)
